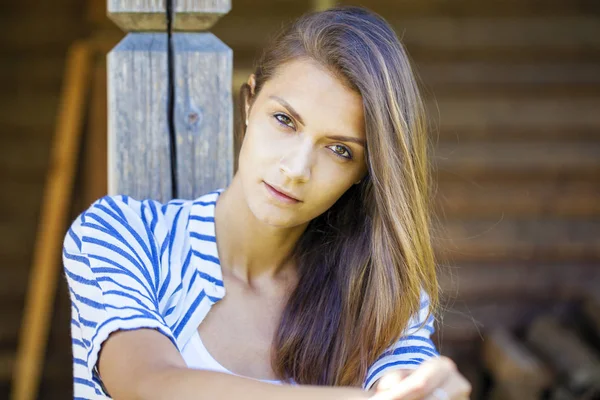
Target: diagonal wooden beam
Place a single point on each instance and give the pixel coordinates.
(45, 269)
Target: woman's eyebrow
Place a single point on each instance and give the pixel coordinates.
(297, 116)
(289, 107)
(348, 139)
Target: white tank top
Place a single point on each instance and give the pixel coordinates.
(197, 356)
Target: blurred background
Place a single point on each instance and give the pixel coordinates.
(513, 91)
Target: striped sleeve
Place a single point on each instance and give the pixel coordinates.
(413, 348)
(112, 265)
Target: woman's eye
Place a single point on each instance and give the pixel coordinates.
(284, 120)
(341, 151)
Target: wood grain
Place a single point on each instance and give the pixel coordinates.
(518, 199)
(198, 15)
(203, 113)
(519, 239)
(138, 15)
(139, 160)
(150, 15)
(522, 281)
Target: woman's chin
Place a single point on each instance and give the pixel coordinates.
(274, 216)
(277, 219)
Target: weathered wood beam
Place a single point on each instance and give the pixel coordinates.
(518, 373)
(45, 267)
(198, 15)
(569, 355)
(94, 163)
(138, 15)
(151, 15)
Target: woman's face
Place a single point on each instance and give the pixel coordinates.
(305, 137)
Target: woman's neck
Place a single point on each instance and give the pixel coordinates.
(252, 251)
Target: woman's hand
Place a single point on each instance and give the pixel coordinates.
(435, 379)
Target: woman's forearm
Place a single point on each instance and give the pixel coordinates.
(184, 384)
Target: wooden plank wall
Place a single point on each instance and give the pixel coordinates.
(513, 88)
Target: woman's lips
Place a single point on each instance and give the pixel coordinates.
(280, 196)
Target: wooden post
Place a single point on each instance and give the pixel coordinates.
(170, 130)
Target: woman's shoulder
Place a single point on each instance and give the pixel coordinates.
(147, 215)
(127, 208)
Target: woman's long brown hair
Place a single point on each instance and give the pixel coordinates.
(364, 263)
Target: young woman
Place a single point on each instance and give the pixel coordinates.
(310, 277)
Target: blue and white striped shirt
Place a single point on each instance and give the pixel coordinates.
(141, 264)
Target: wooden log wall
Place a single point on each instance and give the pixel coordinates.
(513, 88)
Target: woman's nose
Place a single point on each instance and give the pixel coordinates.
(297, 164)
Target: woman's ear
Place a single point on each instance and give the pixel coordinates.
(248, 100)
(252, 83)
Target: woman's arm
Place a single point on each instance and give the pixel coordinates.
(144, 364)
(436, 378)
(413, 348)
